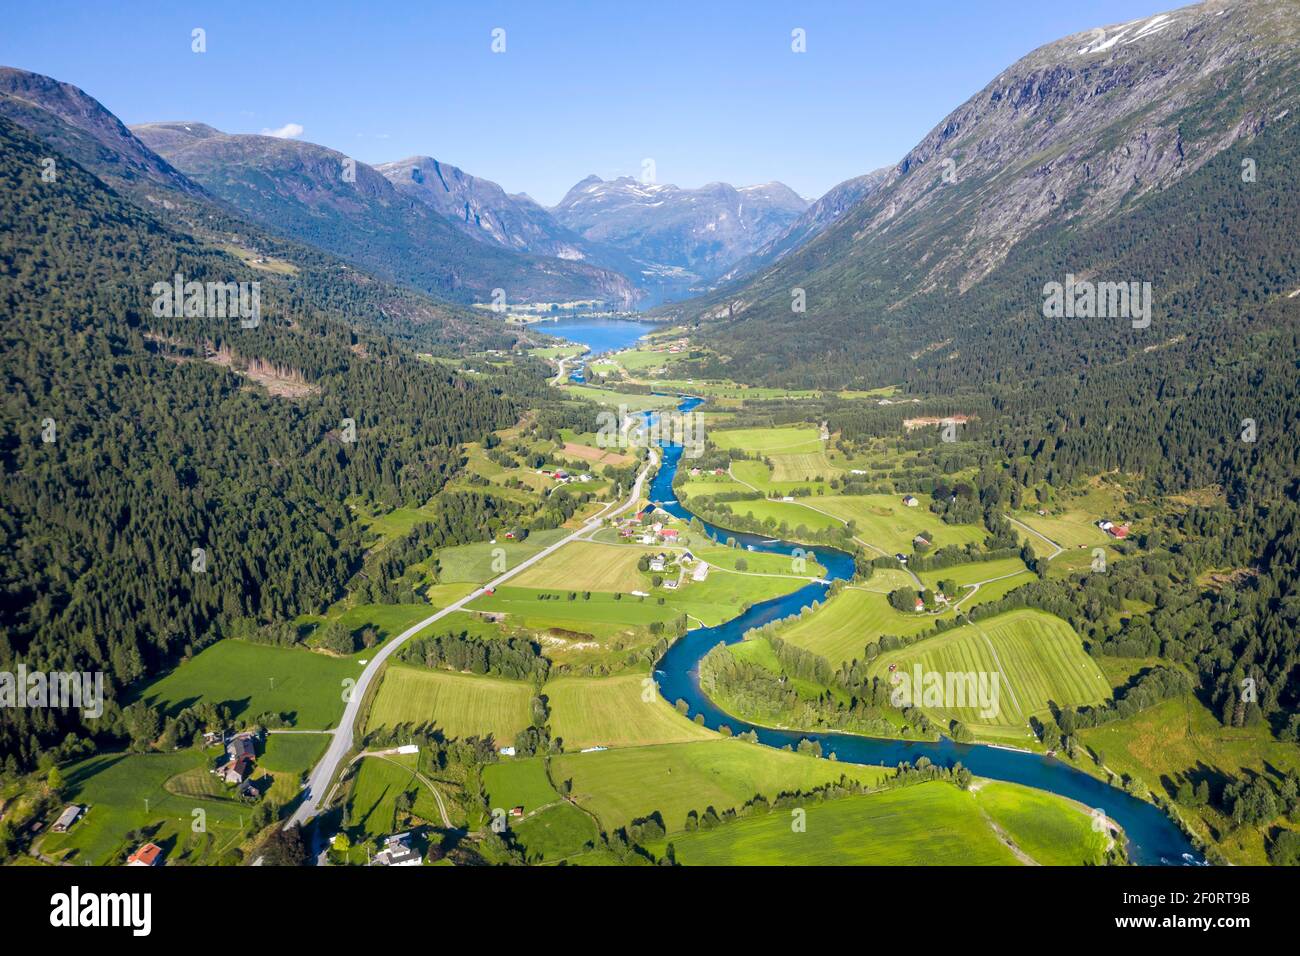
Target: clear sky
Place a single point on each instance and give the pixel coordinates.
(709, 91)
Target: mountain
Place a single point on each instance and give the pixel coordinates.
(131, 437)
(681, 237)
(484, 210)
(74, 126)
(1051, 170)
(78, 126)
(811, 223)
(321, 197)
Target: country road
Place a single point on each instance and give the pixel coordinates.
(342, 737)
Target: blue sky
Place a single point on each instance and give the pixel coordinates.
(709, 91)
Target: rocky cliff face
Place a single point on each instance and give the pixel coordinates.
(814, 220)
(1076, 132)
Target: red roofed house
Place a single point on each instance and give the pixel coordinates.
(1118, 531)
(669, 533)
(148, 855)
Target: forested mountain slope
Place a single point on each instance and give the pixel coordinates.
(322, 197)
(78, 127)
(131, 439)
(1051, 170)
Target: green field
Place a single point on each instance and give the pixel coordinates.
(473, 563)
(614, 712)
(127, 792)
(252, 679)
(520, 782)
(766, 441)
(975, 571)
(372, 804)
(802, 466)
(460, 705)
(883, 520)
(1179, 741)
(931, 824)
(1037, 659)
(633, 401)
(589, 566)
(552, 828)
(1070, 529)
(292, 753)
(792, 514)
(622, 785)
(842, 627)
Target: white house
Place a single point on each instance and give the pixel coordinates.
(910, 501)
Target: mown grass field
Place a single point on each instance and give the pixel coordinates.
(622, 785)
(1070, 529)
(372, 805)
(473, 563)
(589, 566)
(1050, 829)
(1179, 741)
(519, 783)
(126, 792)
(292, 753)
(766, 441)
(844, 625)
(791, 513)
(931, 824)
(552, 828)
(252, 679)
(1038, 659)
(633, 401)
(614, 712)
(803, 466)
(603, 614)
(883, 520)
(461, 705)
(973, 572)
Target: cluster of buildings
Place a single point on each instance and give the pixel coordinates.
(563, 477)
(1120, 531)
(241, 761)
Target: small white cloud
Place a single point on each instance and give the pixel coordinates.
(287, 131)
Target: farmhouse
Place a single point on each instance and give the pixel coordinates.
(148, 855)
(701, 571)
(399, 850)
(671, 584)
(507, 751)
(1118, 531)
(910, 501)
(237, 770)
(921, 540)
(241, 745)
(920, 605)
(67, 818)
(670, 534)
(657, 562)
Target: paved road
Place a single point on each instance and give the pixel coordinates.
(341, 744)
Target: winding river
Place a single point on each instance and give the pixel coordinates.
(1152, 837)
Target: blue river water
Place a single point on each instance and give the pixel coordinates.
(1153, 838)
